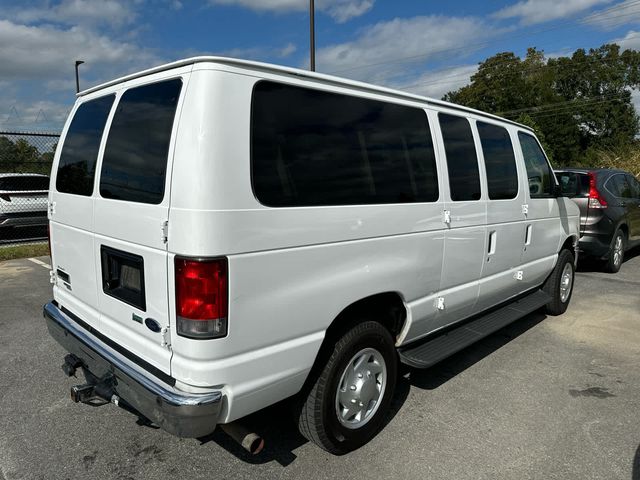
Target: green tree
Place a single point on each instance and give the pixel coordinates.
(576, 103)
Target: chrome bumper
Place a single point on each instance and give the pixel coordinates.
(179, 413)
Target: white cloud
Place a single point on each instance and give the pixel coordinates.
(623, 13)
(340, 10)
(287, 50)
(74, 12)
(537, 11)
(631, 41)
(388, 49)
(48, 53)
(435, 84)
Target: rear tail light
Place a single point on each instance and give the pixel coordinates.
(201, 297)
(595, 197)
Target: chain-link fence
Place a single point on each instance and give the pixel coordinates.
(25, 165)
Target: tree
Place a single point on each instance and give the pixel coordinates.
(577, 103)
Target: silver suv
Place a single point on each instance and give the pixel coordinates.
(23, 201)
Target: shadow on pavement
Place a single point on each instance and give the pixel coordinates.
(434, 377)
(591, 265)
(276, 425)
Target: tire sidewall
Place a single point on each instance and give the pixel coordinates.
(344, 438)
(612, 267)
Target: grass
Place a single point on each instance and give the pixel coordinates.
(24, 251)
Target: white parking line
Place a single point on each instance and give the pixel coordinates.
(39, 262)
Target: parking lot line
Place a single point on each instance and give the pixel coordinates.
(40, 262)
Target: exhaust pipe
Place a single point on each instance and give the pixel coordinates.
(250, 441)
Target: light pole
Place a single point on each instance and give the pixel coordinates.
(78, 63)
(312, 34)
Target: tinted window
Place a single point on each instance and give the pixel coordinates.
(620, 187)
(635, 186)
(77, 165)
(538, 170)
(462, 161)
(22, 183)
(573, 184)
(319, 148)
(499, 161)
(135, 158)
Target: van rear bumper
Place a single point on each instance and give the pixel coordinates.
(179, 413)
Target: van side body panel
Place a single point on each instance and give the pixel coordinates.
(291, 270)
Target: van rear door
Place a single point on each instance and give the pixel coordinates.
(71, 208)
(130, 215)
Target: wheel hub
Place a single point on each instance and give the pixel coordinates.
(361, 388)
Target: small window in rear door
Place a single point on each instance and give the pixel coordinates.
(77, 165)
(135, 158)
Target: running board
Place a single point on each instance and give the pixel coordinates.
(426, 353)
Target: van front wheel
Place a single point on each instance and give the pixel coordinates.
(348, 402)
(559, 285)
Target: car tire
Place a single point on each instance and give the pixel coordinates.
(616, 254)
(359, 366)
(559, 285)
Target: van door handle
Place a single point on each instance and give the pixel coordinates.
(527, 236)
(493, 236)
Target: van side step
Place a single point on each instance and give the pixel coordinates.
(426, 353)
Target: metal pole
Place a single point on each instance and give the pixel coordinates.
(78, 63)
(312, 34)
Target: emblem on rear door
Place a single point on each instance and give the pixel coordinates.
(152, 325)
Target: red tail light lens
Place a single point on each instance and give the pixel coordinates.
(595, 198)
(201, 297)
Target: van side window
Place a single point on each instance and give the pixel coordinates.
(499, 161)
(135, 157)
(538, 169)
(313, 148)
(462, 161)
(77, 165)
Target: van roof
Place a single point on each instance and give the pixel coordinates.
(297, 72)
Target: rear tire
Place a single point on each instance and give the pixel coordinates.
(347, 404)
(560, 284)
(616, 254)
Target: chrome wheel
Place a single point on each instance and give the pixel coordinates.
(566, 282)
(361, 388)
(618, 251)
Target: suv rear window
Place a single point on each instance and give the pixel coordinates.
(21, 184)
(77, 165)
(573, 184)
(135, 157)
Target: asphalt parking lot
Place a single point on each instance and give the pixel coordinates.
(547, 397)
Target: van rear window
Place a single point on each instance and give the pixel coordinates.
(313, 148)
(77, 165)
(135, 157)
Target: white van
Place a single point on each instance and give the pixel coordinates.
(227, 234)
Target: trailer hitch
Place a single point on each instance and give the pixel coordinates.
(96, 393)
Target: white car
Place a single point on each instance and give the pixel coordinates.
(23, 201)
(226, 234)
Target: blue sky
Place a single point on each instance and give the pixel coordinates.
(427, 47)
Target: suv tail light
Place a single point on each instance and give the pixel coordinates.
(201, 297)
(595, 197)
